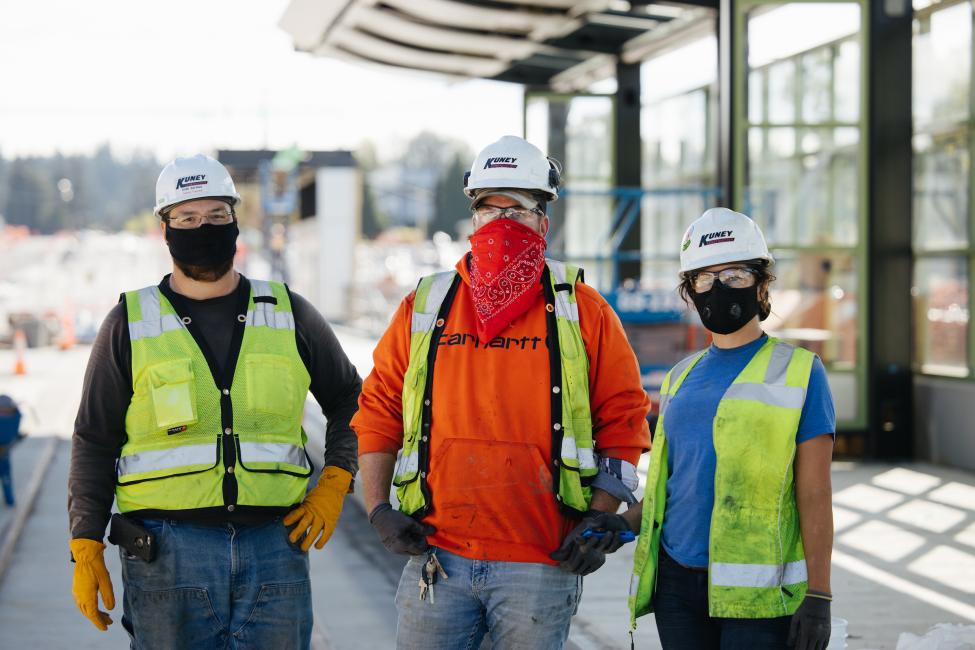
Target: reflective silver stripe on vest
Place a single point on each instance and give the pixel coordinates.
(262, 288)
(675, 374)
(408, 464)
(563, 308)
(634, 584)
(724, 574)
(664, 403)
(790, 397)
(278, 320)
(272, 452)
(147, 329)
(152, 461)
(152, 324)
(265, 314)
(586, 457)
(778, 365)
(439, 286)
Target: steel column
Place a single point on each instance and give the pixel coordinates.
(890, 182)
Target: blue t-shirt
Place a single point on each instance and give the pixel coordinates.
(691, 460)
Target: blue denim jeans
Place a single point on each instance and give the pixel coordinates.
(680, 604)
(222, 586)
(522, 605)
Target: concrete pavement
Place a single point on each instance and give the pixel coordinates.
(904, 553)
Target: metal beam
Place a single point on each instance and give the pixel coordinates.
(890, 182)
(377, 49)
(558, 116)
(465, 16)
(628, 153)
(396, 27)
(309, 20)
(727, 140)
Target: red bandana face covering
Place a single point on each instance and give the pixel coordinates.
(507, 259)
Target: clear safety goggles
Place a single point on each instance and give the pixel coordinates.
(190, 220)
(488, 213)
(733, 277)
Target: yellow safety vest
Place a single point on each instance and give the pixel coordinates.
(194, 442)
(572, 444)
(756, 565)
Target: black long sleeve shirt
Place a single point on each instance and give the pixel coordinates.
(99, 431)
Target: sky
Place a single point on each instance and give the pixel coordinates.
(175, 77)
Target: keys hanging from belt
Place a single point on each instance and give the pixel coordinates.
(429, 572)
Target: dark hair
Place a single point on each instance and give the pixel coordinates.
(764, 279)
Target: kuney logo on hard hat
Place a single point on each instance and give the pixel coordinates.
(191, 181)
(718, 237)
(500, 162)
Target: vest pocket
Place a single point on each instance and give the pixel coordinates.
(270, 385)
(172, 388)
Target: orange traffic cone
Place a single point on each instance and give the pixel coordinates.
(20, 344)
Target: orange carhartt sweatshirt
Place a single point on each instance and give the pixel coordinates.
(490, 441)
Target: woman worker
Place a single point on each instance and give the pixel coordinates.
(736, 524)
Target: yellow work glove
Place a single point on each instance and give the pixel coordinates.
(319, 512)
(90, 577)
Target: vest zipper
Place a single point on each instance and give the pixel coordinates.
(223, 378)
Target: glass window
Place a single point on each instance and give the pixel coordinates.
(675, 140)
(582, 222)
(942, 184)
(814, 304)
(679, 167)
(588, 134)
(846, 82)
(536, 122)
(817, 85)
(803, 185)
(782, 92)
(781, 31)
(941, 308)
(941, 173)
(942, 65)
(756, 97)
(801, 174)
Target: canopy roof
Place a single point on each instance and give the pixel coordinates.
(524, 41)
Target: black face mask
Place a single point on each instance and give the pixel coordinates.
(724, 310)
(206, 246)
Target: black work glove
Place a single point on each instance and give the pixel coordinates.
(583, 556)
(611, 524)
(811, 625)
(399, 532)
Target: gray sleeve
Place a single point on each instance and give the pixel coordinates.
(334, 382)
(99, 429)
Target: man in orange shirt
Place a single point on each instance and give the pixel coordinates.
(516, 399)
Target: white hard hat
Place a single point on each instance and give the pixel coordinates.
(721, 236)
(191, 178)
(513, 162)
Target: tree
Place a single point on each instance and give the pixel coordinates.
(373, 221)
(450, 203)
(30, 196)
(60, 192)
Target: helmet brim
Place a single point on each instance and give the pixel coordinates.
(232, 201)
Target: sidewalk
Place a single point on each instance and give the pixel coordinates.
(904, 555)
(903, 558)
(23, 457)
(36, 607)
